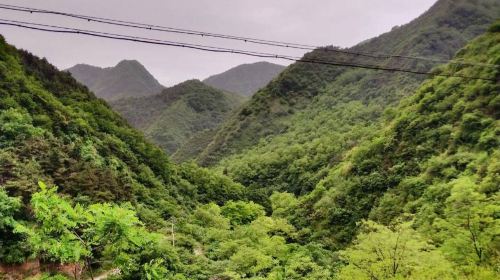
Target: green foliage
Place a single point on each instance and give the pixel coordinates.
(98, 233)
(155, 270)
(8, 207)
(296, 99)
(53, 277)
(53, 129)
(66, 233)
(12, 247)
(241, 212)
(469, 227)
(16, 126)
(263, 248)
(424, 145)
(55, 237)
(211, 187)
(178, 113)
(401, 253)
(351, 192)
(283, 204)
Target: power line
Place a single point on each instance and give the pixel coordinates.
(71, 30)
(145, 26)
(68, 30)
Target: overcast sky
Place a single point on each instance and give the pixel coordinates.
(317, 22)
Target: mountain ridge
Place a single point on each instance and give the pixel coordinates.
(177, 113)
(245, 79)
(128, 78)
(438, 33)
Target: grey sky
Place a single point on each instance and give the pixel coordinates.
(317, 22)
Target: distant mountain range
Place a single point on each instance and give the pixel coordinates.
(327, 172)
(245, 79)
(176, 114)
(128, 78)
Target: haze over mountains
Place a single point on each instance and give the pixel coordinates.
(312, 94)
(245, 79)
(128, 78)
(328, 172)
(172, 116)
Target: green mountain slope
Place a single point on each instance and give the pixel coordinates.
(178, 113)
(120, 203)
(428, 183)
(128, 78)
(245, 79)
(293, 131)
(53, 129)
(412, 193)
(435, 163)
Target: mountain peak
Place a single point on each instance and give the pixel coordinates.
(128, 78)
(245, 79)
(129, 63)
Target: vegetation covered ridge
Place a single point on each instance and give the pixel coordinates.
(418, 200)
(304, 91)
(176, 114)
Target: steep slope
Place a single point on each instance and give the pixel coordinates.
(170, 118)
(245, 79)
(53, 129)
(436, 161)
(128, 78)
(293, 131)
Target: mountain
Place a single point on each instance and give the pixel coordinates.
(81, 193)
(374, 176)
(293, 131)
(178, 113)
(54, 129)
(128, 78)
(435, 163)
(245, 79)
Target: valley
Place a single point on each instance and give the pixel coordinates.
(333, 167)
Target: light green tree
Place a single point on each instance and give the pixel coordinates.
(242, 212)
(470, 228)
(99, 233)
(400, 253)
(56, 234)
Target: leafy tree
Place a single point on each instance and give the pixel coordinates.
(241, 212)
(470, 227)
(283, 204)
(400, 253)
(8, 207)
(98, 233)
(56, 234)
(16, 125)
(12, 245)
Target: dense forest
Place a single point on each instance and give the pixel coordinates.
(177, 114)
(327, 173)
(314, 93)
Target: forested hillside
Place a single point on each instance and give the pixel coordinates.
(245, 79)
(128, 78)
(327, 173)
(54, 130)
(434, 165)
(417, 200)
(275, 117)
(172, 117)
